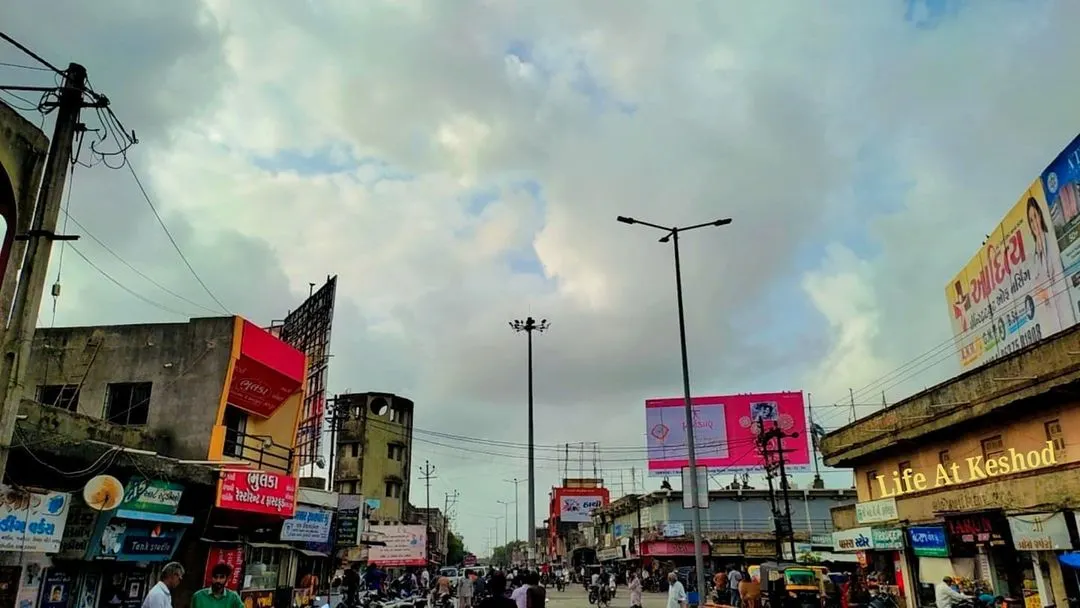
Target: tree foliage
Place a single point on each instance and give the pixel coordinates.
(504, 555)
(455, 548)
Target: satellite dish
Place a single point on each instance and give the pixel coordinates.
(103, 493)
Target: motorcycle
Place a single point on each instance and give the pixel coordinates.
(594, 594)
(560, 584)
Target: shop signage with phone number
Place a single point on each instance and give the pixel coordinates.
(257, 492)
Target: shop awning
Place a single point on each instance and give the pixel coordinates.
(270, 546)
(309, 553)
(164, 518)
(267, 372)
(1071, 560)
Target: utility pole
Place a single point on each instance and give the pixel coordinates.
(818, 483)
(428, 474)
(35, 262)
(851, 392)
(782, 519)
(529, 325)
(517, 518)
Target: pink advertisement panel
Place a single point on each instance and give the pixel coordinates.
(725, 429)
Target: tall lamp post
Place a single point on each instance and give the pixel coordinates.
(529, 325)
(517, 518)
(506, 520)
(671, 233)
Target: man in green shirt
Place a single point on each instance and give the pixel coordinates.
(217, 595)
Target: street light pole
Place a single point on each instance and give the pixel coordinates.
(529, 325)
(506, 520)
(672, 234)
(517, 518)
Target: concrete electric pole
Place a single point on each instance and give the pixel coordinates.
(35, 263)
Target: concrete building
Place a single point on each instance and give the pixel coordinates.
(188, 384)
(438, 527)
(373, 452)
(204, 412)
(737, 524)
(23, 148)
(977, 477)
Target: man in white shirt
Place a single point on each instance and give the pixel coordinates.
(160, 595)
(676, 595)
(944, 595)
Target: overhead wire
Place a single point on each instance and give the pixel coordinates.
(950, 346)
(127, 289)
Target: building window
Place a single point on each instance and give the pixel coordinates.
(65, 396)
(393, 489)
(903, 466)
(347, 487)
(944, 458)
(871, 479)
(992, 447)
(235, 423)
(1055, 435)
(390, 451)
(127, 403)
(354, 449)
(395, 451)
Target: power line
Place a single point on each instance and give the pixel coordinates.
(24, 67)
(172, 240)
(132, 267)
(32, 54)
(126, 288)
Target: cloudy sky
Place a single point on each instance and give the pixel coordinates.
(460, 163)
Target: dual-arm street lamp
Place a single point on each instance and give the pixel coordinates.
(530, 325)
(671, 233)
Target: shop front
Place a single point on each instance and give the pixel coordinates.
(1040, 538)
(881, 557)
(981, 551)
(659, 556)
(308, 532)
(111, 558)
(609, 555)
(32, 525)
(245, 529)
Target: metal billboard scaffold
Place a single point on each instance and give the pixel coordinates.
(308, 329)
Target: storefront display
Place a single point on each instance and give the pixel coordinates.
(1039, 536)
(984, 540)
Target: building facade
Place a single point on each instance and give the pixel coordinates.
(200, 418)
(976, 478)
(736, 526)
(373, 452)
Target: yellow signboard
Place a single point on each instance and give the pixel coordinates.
(977, 468)
(1012, 293)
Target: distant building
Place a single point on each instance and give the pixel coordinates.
(373, 452)
(438, 526)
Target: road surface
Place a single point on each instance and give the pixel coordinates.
(576, 597)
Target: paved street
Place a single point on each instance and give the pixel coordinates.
(575, 597)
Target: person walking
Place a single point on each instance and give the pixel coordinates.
(676, 594)
(217, 595)
(634, 585)
(160, 595)
(465, 591)
(734, 578)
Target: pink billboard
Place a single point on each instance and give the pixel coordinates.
(725, 431)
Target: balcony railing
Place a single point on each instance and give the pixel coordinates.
(259, 450)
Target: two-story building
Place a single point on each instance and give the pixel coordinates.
(737, 526)
(977, 478)
(200, 417)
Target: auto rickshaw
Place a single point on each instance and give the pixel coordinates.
(787, 585)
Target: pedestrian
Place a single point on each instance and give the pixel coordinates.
(719, 581)
(634, 584)
(536, 596)
(734, 578)
(676, 595)
(217, 595)
(465, 590)
(160, 595)
(497, 598)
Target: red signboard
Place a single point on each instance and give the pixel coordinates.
(667, 548)
(267, 373)
(232, 556)
(257, 492)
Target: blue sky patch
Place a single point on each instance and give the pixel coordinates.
(324, 161)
